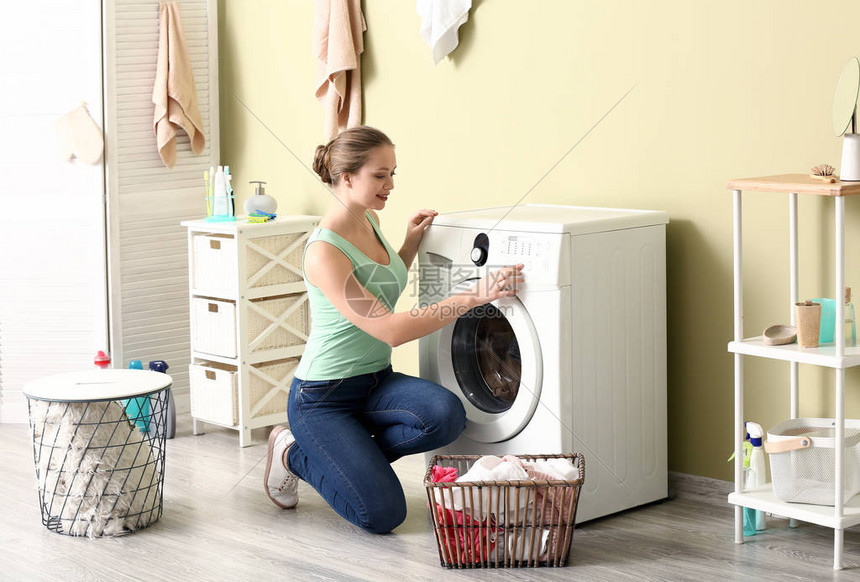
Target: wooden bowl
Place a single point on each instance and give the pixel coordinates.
(777, 335)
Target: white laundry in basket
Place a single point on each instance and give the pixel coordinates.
(96, 469)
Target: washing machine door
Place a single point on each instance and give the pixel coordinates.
(491, 359)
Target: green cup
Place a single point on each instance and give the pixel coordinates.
(828, 320)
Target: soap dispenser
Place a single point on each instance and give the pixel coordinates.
(260, 201)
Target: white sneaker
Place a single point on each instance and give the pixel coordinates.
(281, 485)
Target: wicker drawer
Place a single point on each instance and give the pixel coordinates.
(214, 393)
(214, 324)
(271, 262)
(214, 271)
(214, 396)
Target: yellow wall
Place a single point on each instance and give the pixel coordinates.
(723, 89)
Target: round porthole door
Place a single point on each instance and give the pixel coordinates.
(490, 358)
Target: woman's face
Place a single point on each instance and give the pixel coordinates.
(374, 181)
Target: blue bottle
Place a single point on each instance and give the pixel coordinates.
(170, 423)
(137, 409)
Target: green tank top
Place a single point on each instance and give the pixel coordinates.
(336, 348)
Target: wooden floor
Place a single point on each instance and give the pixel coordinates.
(219, 525)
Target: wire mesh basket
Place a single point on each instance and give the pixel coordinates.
(503, 524)
(803, 461)
(100, 464)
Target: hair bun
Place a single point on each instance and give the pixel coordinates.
(321, 163)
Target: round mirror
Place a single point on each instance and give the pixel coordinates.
(845, 100)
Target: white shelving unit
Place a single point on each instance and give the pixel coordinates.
(836, 355)
(249, 319)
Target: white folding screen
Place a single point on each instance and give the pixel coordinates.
(53, 304)
(147, 248)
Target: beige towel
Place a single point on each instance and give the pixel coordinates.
(174, 94)
(338, 43)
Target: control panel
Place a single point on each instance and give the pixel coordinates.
(545, 256)
(450, 255)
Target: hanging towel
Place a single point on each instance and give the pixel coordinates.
(338, 43)
(440, 20)
(174, 94)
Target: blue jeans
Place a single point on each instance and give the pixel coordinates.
(349, 431)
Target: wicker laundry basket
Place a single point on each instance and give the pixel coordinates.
(503, 524)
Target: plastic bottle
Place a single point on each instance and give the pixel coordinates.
(221, 203)
(749, 482)
(750, 514)
(137, 409)
(170, 425)
(230, 198)
(102, 360)
(755, 434)
(260, 201)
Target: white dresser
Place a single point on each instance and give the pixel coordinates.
(250, 319)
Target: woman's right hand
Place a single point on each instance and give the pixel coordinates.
(504, 282)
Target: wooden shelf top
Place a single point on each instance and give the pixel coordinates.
(798, 183)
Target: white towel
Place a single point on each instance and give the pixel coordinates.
(492, 468)
(561, 469)
(338, 43)
(440, 20)
(487, 468)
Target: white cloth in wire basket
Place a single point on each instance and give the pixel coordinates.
(97, 474)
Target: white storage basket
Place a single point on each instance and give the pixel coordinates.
(802, 460)
(271, 262)
(213, 393)
(214, 324)
(214, 271)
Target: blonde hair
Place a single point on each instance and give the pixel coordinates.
(348, 152)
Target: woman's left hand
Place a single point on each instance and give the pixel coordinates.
(416, 225)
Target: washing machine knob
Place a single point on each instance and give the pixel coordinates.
(478, 256)
(480, 249)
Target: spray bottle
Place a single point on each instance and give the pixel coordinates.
(755, 433)
(749, 482)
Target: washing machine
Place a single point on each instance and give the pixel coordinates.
(576, 362)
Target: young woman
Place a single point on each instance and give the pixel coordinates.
(350, 415)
